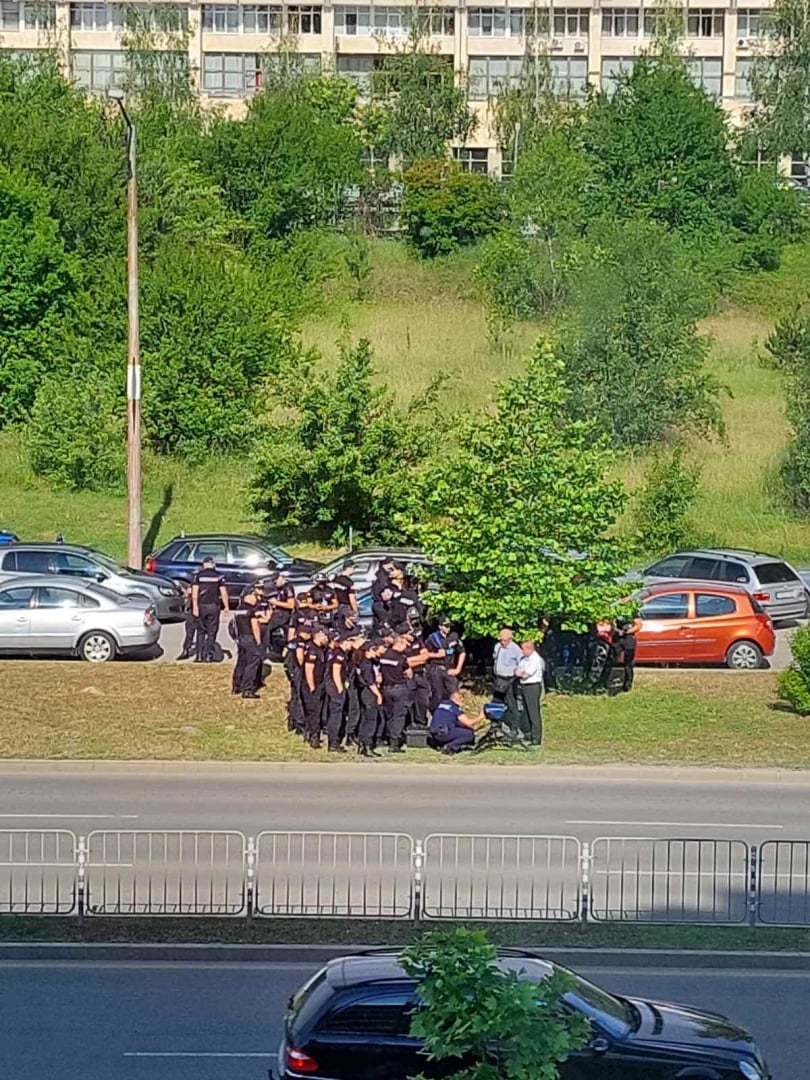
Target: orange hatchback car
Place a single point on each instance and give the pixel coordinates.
(697, 622)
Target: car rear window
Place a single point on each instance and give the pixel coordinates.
(381, 1016)
(774, 573)
(708, 606)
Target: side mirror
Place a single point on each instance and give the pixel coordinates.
(599, 1045)
(100, 576)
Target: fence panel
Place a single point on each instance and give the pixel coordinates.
(335, 874)
(165, 872)
(783, 883)
(501, 877)
(650, 879)
(37, 871)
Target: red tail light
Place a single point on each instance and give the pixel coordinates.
(299, 1062)
(148, 617)
(762, 597)
(149, 566)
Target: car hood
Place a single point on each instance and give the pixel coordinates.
(155, 580)
(666, 1024)
(303, 566)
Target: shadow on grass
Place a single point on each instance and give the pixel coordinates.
(152, 533)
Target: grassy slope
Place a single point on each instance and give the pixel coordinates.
(422, 318)
(180, 713)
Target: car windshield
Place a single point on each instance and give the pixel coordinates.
(279, 554)
(613, 1015)
(108, 563)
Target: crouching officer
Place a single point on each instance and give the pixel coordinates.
(450, 729)
(395, 672)
(250, 650)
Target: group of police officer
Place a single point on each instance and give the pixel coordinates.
(349, 686)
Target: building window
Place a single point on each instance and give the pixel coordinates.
(357, 69)
(392, 21)
(742, 79)
(353, 21)
(653, 22)
(95, 17)
(487, 22)
(569, 75)
(261, 19)
(247, 19)
(221, 18)
(158, 17)
(231, 73)
(570, 22)
(472, 159)
(97, 71)
(612, 69)
(707, 74)
(441, 22)
(39, 16)
(750, 23)
(620, 22)
(489, 75)
(10, 11)
(704, 22)
(304, 20)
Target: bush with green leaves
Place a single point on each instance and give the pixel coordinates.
(445, 208)
(341, 453)
(789, 345)
(518, 277)
(519, 520)
(661, 516)
(487, 1021)
(794, 683)
(77, 433)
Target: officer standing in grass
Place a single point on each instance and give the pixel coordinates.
(335, 690)
(396, 674)
(281, 601)
(208, 598)
(247, 670)
(446, 656)
(371, 701)
(192, 625)
(314, 669)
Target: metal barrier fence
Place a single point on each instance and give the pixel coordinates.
(392, 876)
(646, 879)
(502, 877)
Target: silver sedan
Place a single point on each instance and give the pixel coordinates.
(39, 614)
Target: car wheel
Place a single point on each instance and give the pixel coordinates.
(744, 656)
(97, 647)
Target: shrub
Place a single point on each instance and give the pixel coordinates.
(445, 208)
(794, 684)
(662, 509)
(516, 277)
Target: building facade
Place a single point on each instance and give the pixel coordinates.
(225, 46)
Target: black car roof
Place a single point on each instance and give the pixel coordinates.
(384, 967)
(380, 552)
(222, 536)
(50, 545)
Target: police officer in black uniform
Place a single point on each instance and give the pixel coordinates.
(294, 670)
(343, 588)
(314, 669)
(324, 602)
(446, 657)
(250, 651)
(419, 686)
(281, 602)
(335, 691)
(370, 695)
(388, 611)
(192, 625)
(395, 673)
(208, 597)
(382, 579)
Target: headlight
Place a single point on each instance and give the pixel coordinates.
(749, 1071)
(167, 590)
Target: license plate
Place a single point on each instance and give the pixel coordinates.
(789, 594)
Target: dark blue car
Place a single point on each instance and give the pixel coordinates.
(242, 560)
(7, 537)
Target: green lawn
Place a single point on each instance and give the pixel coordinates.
(171, 712)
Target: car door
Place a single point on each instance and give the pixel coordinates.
(70, 564)
(56, 617)
(604, 1058)
(246, 564)
(665, 634)
(715, 618)
(15, 617)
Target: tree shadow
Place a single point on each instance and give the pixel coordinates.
(153, 531)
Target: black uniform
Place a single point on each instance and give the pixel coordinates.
(396, 692)
(312, 700)
(208, 581)
(353, 705)
(419, 687)
(323, 594)
(369, 726)
(281, 617)
(293, 669)
(382, 580)
(388, 612)
(442, 684)
(343, 590)
(192, 625)
(250, 652)
(335, 694)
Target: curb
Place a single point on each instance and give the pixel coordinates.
(305, 955)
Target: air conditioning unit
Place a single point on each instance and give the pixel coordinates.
(742, 44)
(556, 44)
(579, 46)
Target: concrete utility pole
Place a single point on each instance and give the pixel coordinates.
(134, 481)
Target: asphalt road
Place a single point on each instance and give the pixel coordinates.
(557, 800)
(183, 1021)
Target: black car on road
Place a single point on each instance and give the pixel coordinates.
(242, 560)
(352, 1022)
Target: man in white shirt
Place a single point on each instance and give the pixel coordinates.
(507, 656)
(529, 673)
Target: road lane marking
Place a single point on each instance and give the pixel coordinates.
(195, 1054)
(676, 824)
(73, 817)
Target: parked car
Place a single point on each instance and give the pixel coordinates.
(366, 562)
(71, 560)
(242, 560)
(771, 581)
(352, 1022)
(7, 537)
(41, 615)
(699, 622)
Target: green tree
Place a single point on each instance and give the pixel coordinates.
(659, 147)
(780, 77)
(341, 452)
(661, 515)
(519, 520)
(789, 345)
(517, 279)
(445, 208)
(500, 1025)
(794, 683)
(633, 353)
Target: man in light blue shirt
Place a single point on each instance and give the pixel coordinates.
(507, 656)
